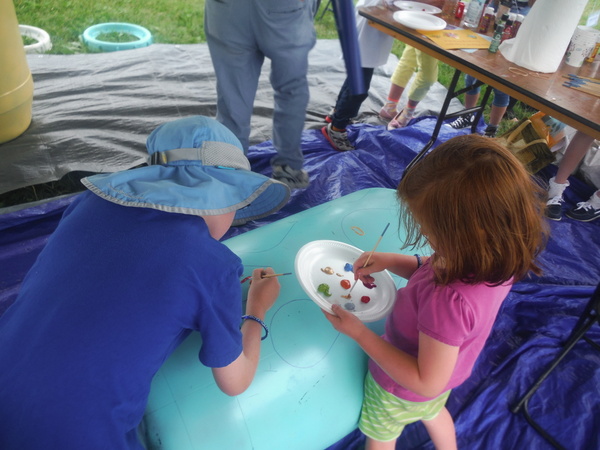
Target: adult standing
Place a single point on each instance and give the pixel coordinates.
(240, 34)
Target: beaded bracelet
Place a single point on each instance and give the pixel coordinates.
(419, 260)
(256, 319)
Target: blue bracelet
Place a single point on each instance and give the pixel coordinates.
(419, 260)
(256, 319)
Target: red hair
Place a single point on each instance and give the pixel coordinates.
(481, 207)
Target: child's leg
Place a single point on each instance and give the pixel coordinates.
(402, 73)
(441, 430)
(348, 104)
(574, 153)
(426, 76)
(372, 444)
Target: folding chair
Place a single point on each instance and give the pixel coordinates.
(588, 318)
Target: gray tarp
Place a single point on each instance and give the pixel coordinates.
(93, 112)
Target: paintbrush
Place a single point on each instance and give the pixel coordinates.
(272, 275)
(368, 259)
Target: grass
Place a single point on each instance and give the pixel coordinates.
(170, 22)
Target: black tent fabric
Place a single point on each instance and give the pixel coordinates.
(534, 320)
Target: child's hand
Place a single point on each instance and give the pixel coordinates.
(377, 263)
(262, 292)
(345, 322)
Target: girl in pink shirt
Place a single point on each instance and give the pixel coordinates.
(481, 213)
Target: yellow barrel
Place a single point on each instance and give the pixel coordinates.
(16, 84)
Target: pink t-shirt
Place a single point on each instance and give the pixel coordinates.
(459, 314)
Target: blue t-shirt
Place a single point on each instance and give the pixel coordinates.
(112, 294)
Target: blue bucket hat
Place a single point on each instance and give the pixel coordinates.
(197, 167)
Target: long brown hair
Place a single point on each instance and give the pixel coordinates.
(481, 207)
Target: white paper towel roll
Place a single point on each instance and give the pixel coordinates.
(545, 35)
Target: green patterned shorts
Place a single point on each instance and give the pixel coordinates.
(384, 416)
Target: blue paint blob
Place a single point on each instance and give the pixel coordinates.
(348, 267)
(349, 306)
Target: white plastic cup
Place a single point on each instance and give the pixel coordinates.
(582, 44)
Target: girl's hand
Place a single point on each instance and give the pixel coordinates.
(345, 322)
(262, 292)
(377, 263)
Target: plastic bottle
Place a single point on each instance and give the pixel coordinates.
(503, 8)
(502, 21)
(497, 38)
(449, 9)
(517, 24)
(507, 30)
(473, 14)
(486, 20)
(460, 10)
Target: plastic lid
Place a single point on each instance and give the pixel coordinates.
(504, 17)
(489, 10)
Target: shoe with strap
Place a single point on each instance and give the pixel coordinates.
(388, 112)
(401, 119)
(463, 122)
(294, 178)
(337, 139)
(586, 211)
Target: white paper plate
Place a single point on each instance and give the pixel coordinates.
(317, 255)
(417, 6)
(419, 20)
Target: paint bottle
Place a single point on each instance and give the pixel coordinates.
(473, 14)
(502, 21)
(497, 39)
(486, 20)
(503, 8)
(517, 24)
(449, 9)
(460, 10)
(507, 30)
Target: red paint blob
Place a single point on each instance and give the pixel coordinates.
(345, 284)
(365, 299)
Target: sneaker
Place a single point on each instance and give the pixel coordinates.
(490, 131)
(554, 208)
(328, 117)
(388, 112)
(401, 119)
(337, 139)
(585, 212)
(463, 121)
(295, 179)
(555, 199)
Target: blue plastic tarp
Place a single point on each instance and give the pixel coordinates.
(534, 321)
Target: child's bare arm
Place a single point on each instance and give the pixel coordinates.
(237, 376)
(401, 265)
(426, 375)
